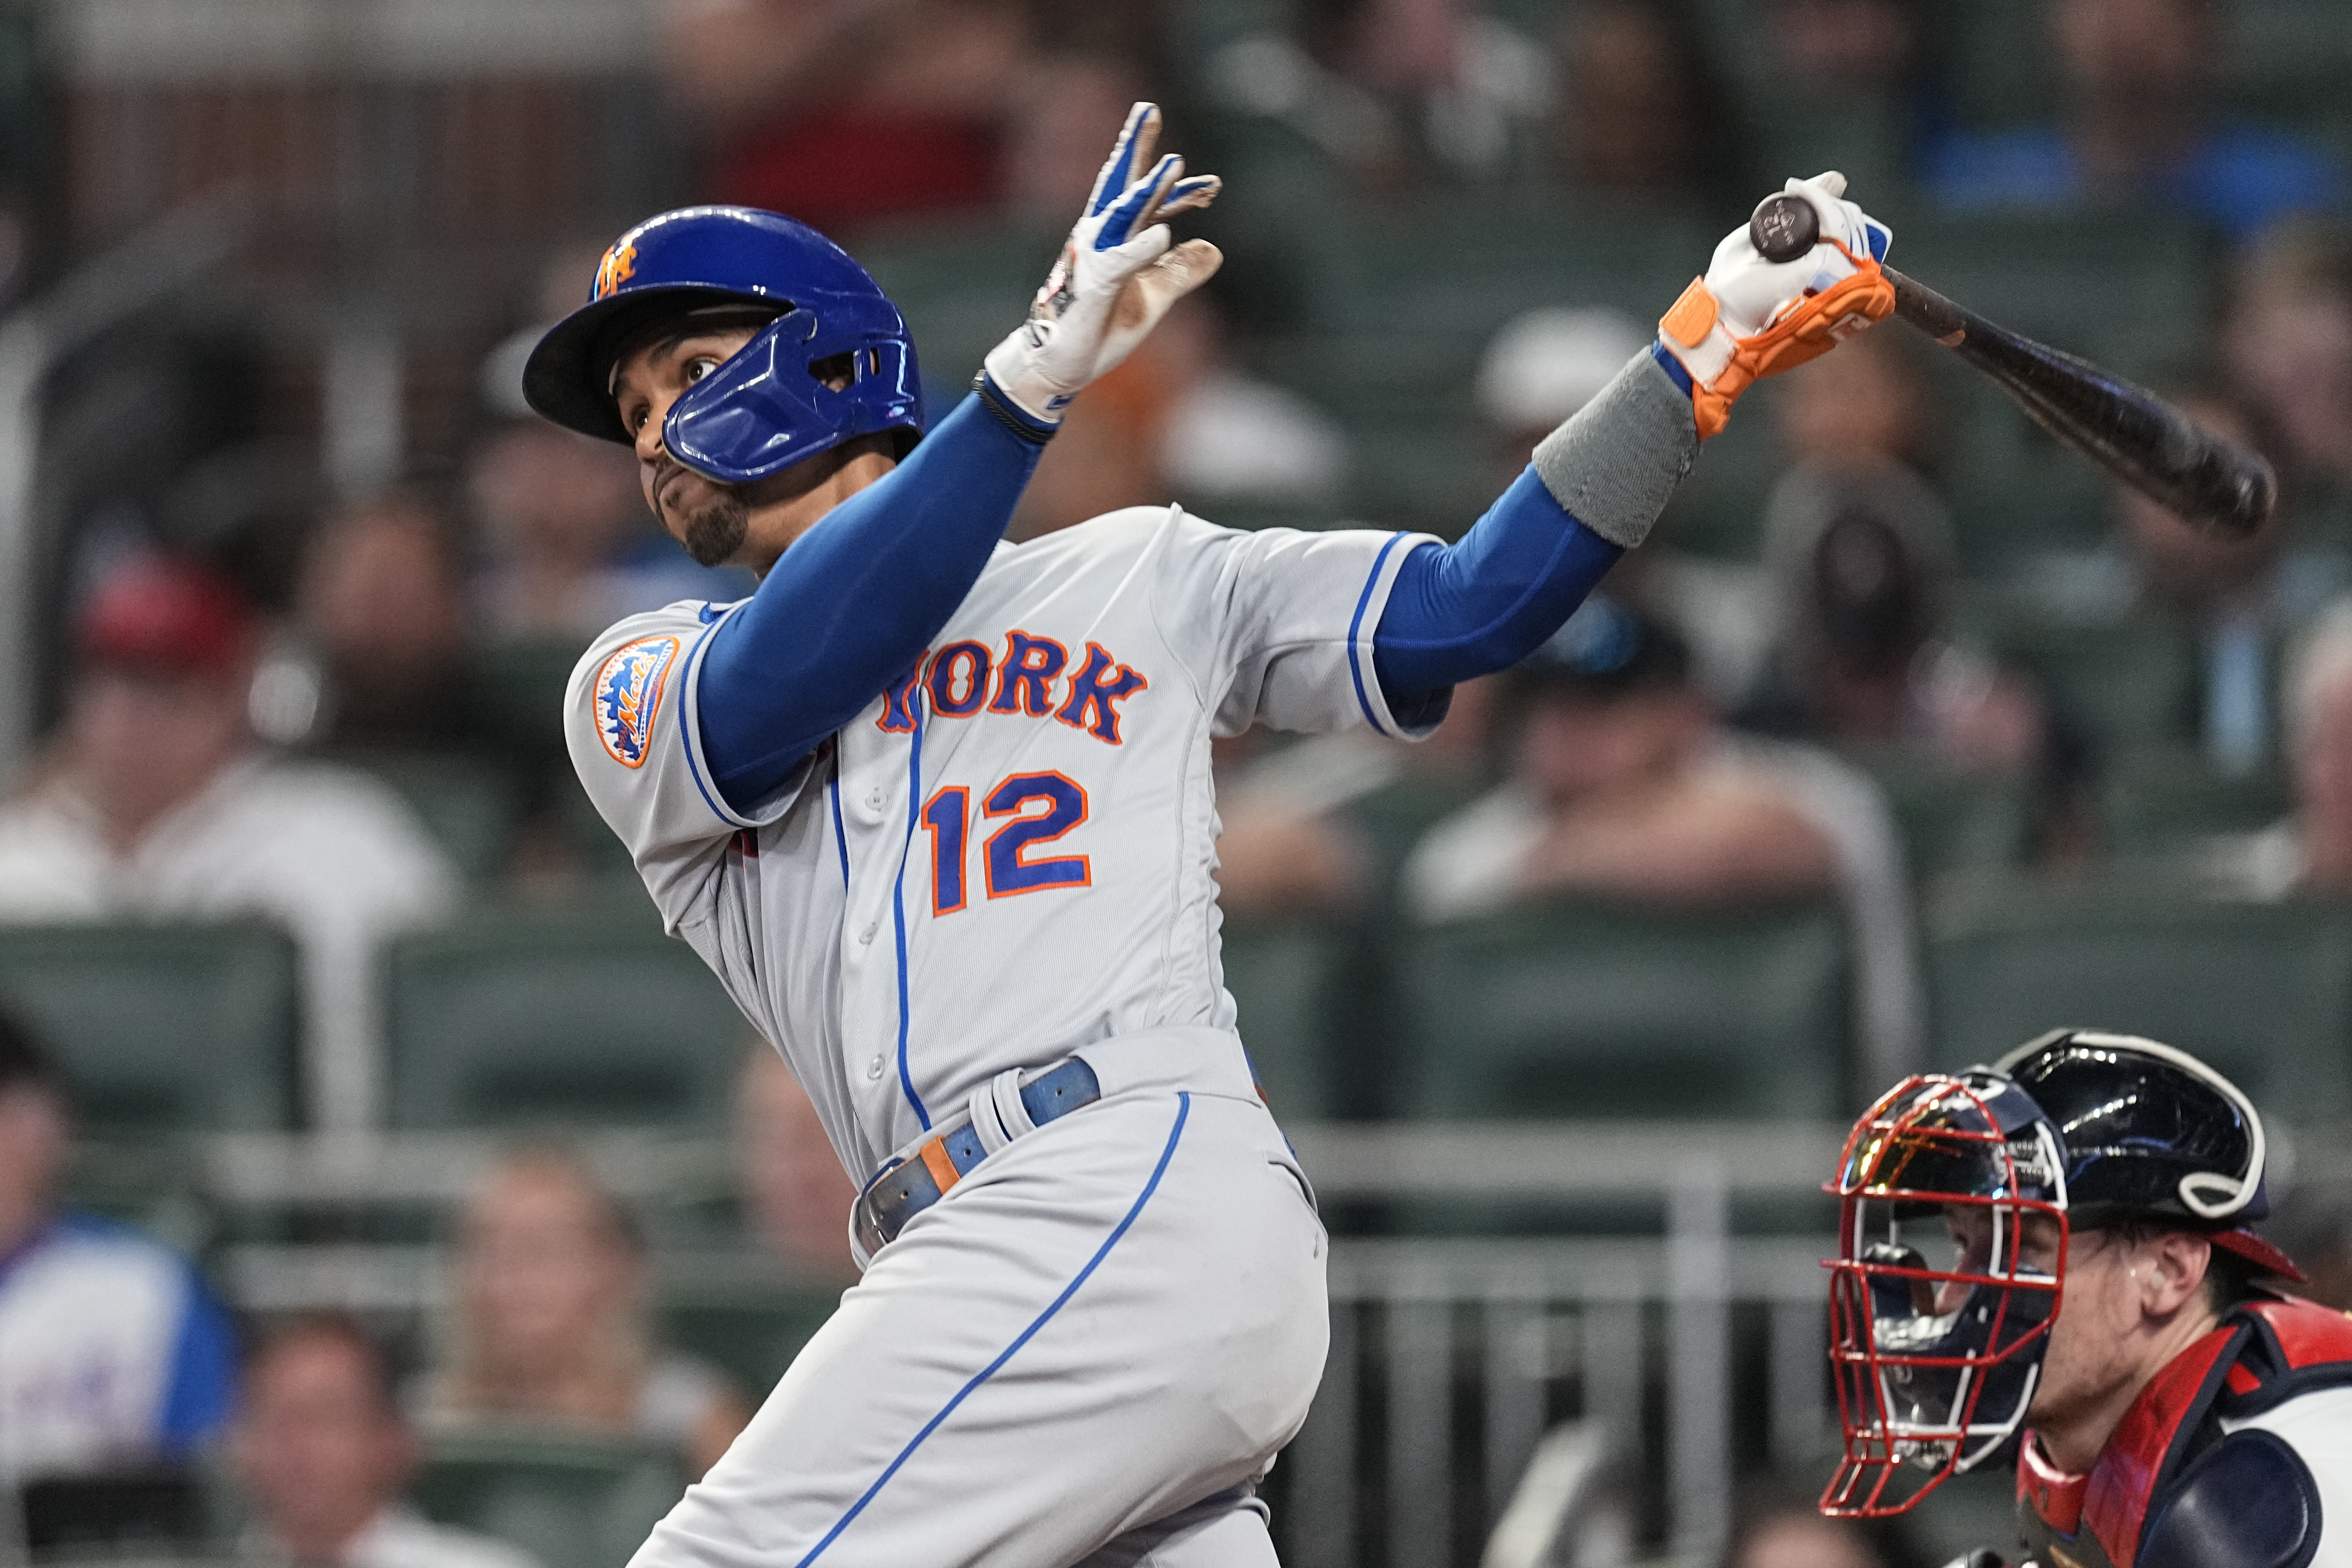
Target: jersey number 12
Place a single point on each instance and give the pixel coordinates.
(1006, 860)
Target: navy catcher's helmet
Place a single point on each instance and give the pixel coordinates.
(2152, 1134)
(768, 406)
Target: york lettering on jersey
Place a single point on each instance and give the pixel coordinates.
(1029, 676)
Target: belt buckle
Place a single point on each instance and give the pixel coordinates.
(903, 1189)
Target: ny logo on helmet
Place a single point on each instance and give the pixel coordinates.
(620, 265)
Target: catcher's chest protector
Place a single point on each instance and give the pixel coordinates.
(2173, 1477)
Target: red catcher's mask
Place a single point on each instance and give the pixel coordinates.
(1952, 1242)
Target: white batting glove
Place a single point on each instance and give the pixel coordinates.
(1117, 275)
(1749, 318)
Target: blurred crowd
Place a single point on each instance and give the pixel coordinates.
(277, 693)
(136, 1407)
(331, 708)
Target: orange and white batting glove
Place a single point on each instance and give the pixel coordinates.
(1749, 318)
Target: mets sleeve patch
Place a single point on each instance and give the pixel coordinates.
(628, 696)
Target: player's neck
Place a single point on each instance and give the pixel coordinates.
(2074, 1440)
(787, 506)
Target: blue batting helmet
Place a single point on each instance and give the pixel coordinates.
(769, 405)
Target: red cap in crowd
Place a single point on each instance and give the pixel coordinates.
(166, 614)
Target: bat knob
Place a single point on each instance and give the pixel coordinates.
(1783, 227)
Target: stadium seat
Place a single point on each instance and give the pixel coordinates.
(2160, 803)
(1950, 820)
(750, 1330)
(1290, 991)
(468, 806)
(2132, 290)
(1462, 266)
(163, 1029)
(2130, 684)
(517, 691)
(2261, 990)
(591, 1017)
(567, 1501)
(1597, 1010)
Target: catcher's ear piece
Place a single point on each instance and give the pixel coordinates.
(1783, 227)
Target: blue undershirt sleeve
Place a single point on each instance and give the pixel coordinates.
(855, 599)
(1470, 608)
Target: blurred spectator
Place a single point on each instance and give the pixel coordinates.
(569, 544)
(2137, 126)
(843, 111)
(2237, 598)
(1622, 781)
(1069, 104)
(1544, 365)
(16, 247)
(113, 1354)
(1226, 436)
(323, 1455)
(1105, 458)
(1282, 852)
(2312, 850)
(1639, 111)
(382, 604)
(1863, 574)
(2287, 342)
(1779, 1525)
(549, 1321)
(1861, 408)
(155, 800)
(1871, 45)
(796, 1195)
(1398, 92)
(1180, 416)
(1843, 84)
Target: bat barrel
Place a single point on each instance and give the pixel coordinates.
(2208, 480)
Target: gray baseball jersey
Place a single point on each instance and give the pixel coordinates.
(1008, 855)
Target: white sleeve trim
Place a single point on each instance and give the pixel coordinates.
(690, 721)
(1362, 628)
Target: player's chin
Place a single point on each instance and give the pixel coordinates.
(711, 522)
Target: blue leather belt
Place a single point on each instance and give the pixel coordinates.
(905, 1188)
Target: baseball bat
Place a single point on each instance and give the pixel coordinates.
(2204, 477)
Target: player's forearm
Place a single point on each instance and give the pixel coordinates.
(856, 600)
(1594, 489)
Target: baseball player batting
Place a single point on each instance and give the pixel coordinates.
(937, 810)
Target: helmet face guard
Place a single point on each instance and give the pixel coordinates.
(766, 408)
(1952, 1237)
